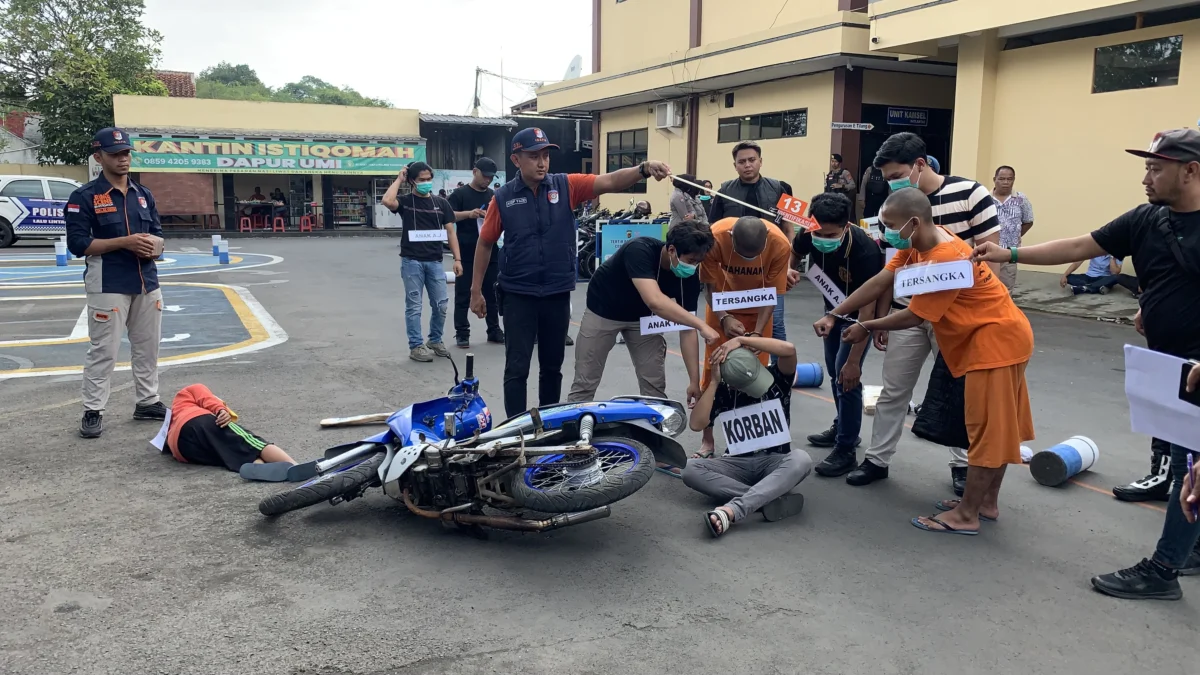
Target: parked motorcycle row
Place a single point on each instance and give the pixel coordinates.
(588, 225)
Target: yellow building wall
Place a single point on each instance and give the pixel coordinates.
(72, 171)
(883, 87)
(1067, 144)
(728, 19)
(801, 162)
(664, 146)
(636, 30)
(207, 114)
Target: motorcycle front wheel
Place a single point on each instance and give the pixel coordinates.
(620, 468)
(344, 481)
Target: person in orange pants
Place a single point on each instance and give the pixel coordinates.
(749, 254)
(203, 430)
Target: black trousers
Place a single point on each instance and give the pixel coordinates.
(526, 318)
(462, 296)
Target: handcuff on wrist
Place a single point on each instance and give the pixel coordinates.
(847, 319)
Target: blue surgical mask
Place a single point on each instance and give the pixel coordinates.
(705, 198)
(423, 189)
(682, 269)
(827, 245)
(907, 181)
(895, 240)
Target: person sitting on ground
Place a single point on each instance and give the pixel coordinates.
(1103, 272)
(749, 479)
(203, 430)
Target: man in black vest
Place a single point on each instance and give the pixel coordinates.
(534, 212)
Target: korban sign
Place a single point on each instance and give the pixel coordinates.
(755, 297)
(292, 157)
(754, 427)
(921, 279)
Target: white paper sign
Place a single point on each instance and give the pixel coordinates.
(654, 324)
(1152, 387)
(160, 439)
(427, 235)
(754, 427)
(755, 297)
(824, 284)
(946, 276)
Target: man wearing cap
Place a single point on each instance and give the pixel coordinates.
(751, 403)
(1163, 238)
(114, 223)
(470, 203)
(535, 213)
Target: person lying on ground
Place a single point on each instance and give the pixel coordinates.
(203, 430)
(749, 477)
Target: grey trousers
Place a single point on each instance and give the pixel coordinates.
(110, 316)
(906, 353)
(747, 482)
(595, 340)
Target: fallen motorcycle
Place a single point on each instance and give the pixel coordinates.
(445, 461)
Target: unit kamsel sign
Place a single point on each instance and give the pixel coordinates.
(222, 156)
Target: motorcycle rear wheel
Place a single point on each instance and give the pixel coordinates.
(624, 466)
(324, 488)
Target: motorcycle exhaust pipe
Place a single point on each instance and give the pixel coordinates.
(509, 522)
(568, 519)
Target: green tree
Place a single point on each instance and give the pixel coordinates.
(64, 60)
(240, 83)
(227, 73)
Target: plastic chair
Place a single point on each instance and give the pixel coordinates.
(306, 224)
(213, 221)
(246, 225)
(260, 221)
(278, 225)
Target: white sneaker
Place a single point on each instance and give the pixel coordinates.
(421, 353)
(438, 348)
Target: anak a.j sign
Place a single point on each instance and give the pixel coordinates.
(294, 157)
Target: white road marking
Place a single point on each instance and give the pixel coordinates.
(78, 332)
(172, 308)
(178, 337)
(267, 283)
(43, 297)
(25, 309)
(29, 280)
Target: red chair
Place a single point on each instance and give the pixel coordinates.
(306, 223)
(278, 225)
(260, 221)
(213, 221)
(246, 225)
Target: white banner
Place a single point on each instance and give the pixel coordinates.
(824, 284)
(921, 279)
(755, 297)
(428, 235)
(654, 324)
(754, 427)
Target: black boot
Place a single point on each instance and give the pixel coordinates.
(838, 463)
(958, 479)
(866, 473)
(825, 439)
(1146, 580)
(1154, 487)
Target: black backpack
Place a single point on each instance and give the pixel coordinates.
(942, 418)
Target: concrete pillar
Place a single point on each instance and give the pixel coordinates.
(974, 105)
(847, 107)
(319, 198)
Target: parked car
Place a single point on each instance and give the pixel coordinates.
(31, 207)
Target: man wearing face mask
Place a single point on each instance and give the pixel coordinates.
(428, 223)
(966, 209)
(646, 289)
(841, 259)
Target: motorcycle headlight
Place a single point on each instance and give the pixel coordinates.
(673, 420)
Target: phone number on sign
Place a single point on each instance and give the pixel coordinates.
(172, 161)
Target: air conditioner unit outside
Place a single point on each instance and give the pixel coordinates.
(668, 115)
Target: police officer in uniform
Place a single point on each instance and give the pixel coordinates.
(114, 223)
(535, 213)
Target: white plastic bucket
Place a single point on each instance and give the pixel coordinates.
(60, 253)
(216, 243)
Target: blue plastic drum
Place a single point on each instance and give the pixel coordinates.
(808, 375)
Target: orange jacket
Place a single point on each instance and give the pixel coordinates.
(191, 402)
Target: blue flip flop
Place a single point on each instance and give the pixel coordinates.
(941, 506)
(947, 529)
(667, 470)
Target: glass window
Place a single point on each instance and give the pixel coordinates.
(763, 126)
(772, 125)
(60, 190)
(24, 188)
(627, 140)
(641, 139)
(795, 123)
(628, 149)
(1137, 65)
(727, 131)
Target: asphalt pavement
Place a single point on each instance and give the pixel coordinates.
(115, 559)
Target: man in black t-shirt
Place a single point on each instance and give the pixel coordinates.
(428, 223)
(646, 289)
(470, 204)
(1163, 238)
(841, 259)
(751, 405)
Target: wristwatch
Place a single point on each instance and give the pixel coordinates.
(643, 171)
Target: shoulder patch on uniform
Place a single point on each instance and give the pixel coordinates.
(516, 201)
(72, 208)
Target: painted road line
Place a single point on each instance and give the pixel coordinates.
(79, 333)
(263, 331)
(56, 275)
(43, 297)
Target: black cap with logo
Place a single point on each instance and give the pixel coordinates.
(1176, 145)
(111, 139)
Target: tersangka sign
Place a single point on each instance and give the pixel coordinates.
(295, 157)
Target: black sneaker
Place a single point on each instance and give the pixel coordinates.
(570, 342)
(825, 439)
(1154, 487)
(866, 473)
(92, 425)
(958, 479)
(462, 342)
(1192, 567)
(496, 336)
(1146, 580)
(838, 463)
(151, 411)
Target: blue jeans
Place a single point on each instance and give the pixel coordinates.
(419, 276)
(849, 403)
(1178, 535)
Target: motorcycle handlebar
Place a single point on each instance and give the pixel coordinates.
(470, 366)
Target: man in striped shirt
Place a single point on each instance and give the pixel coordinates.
(963, 207)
